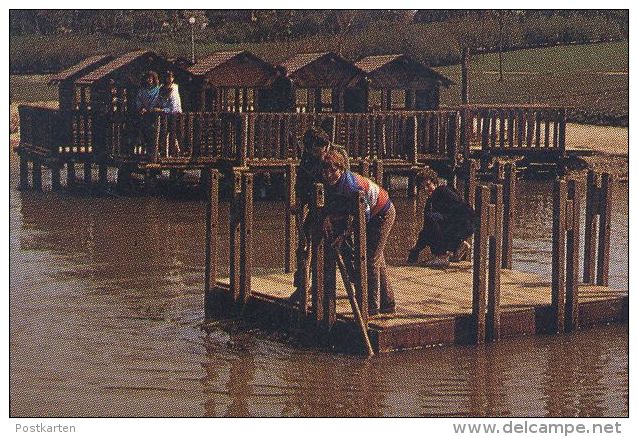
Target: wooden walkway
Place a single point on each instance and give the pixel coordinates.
(434, 307)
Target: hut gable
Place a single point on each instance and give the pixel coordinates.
(128, 67)
(234, 69)
(318, 70)
(400, 71)
(80, 69)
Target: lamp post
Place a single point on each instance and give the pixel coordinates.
(191, 20)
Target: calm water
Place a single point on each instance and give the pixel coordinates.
(106, 298)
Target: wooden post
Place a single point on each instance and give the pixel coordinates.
(102, 175)
(466, 132)
(24, 173)
(412, 139)
(242, 141)
(604, 228)
(365, 167)
(212, 219)
(88, 173)
(377, 171)
(70, 174)
(465, 76)
(55, 177)
(558, 255)
(37, 175)
(318, 246)
(360, 256)
(573, 253)
(246, 251)
(470, 190)
(291, 227)
(591, 222)
(509, 196)
(493, 323)
(479, 261)
(235, 237)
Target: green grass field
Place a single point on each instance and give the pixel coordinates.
(592, 79)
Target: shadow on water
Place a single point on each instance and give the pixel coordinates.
(106, 301)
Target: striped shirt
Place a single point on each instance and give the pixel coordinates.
(350, 184)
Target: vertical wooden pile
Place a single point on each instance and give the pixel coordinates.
(565, 252)
(212, 236)
(505, 174)
(486, 280)
(597, 228)
(241, 225)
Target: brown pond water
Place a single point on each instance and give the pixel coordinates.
(106, 298)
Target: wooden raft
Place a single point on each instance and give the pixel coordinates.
(434, 307)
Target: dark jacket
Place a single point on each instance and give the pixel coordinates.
(447, 202)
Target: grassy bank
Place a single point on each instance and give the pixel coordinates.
(591, 79)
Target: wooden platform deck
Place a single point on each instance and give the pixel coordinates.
(434, 306)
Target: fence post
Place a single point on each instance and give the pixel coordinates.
(479, 283)
(246, 251)
(558, 255)
(37, 175)
(412, 139)
(604, 228)
(55, 176)
(212, 219)
(235, 237)
(591, 221)
(291, 219)
(242, 141)
(102, 175)
(573, 252)
(365, 167)
(317, 255)
(377, 171)
(509, 196)
(24, 173)
(70, 174)
(493, 325)
(360, 254)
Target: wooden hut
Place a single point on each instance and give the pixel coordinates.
(398, 82)
(235, 81)
(114, 85)
(66, 80)
(321, 80)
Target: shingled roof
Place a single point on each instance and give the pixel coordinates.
(371, 64)
(118, 62)
(213, 61)
(301, 60)
(81, 68)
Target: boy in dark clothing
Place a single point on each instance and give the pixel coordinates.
(447, 222)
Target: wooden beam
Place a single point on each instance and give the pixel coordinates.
(317, 256)
(591, 225)
(573, 254)
(604, 230)
(509, 198)
(246, 251)
(479, 282)
(235, 237)
(493, 322)
(558, 255)
(212, 232)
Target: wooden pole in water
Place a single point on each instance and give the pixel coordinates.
(493, 323)
(509, 196)
(558, 255)
(573, 253)
(212, 219)
(604, 231)
(246, 251)
(55, 177)
(318, 243)
(37, 175)
(479, 261)
(591, 223)
(24, 173)
(291, 218)
(360, 254)
(235, 237)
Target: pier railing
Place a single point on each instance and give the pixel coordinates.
(40, 129)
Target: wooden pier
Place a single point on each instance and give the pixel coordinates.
(468, 303)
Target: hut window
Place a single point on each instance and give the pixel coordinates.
(326, 99)
(374, 100)
(397, 99)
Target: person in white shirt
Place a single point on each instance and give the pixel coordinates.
(169, 100)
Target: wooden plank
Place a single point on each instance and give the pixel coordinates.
(290, 220)
(591, 225)
(493, 321)
(572, 253)
(360, 254)
(246, 251)
(235, 237)
(604, 231)
(318, 257)
(212, 237)
(558, 255)
(479, 282)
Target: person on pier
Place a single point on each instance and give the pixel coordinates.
(169, 102)
(342, 187)
(448, 221)
(316, 143)
(145, 103)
